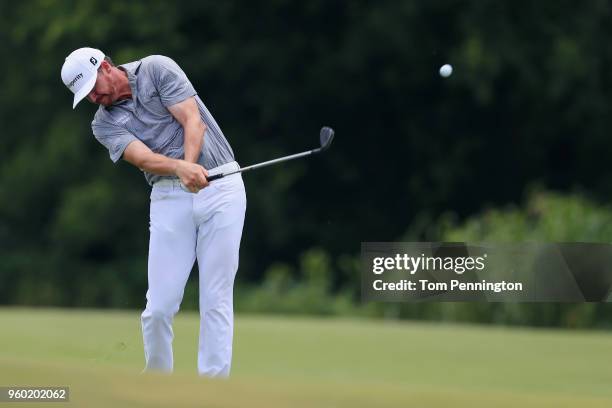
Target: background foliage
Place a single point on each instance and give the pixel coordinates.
(416, 156)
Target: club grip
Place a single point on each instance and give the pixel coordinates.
(215, 177)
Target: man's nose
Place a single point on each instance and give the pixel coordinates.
(92, 96)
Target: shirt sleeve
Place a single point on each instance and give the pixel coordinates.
(113, 137)
(171, 82)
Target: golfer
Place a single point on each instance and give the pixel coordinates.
(150, 115)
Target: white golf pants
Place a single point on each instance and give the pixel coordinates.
(206, 226)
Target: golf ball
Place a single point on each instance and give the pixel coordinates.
(446, 70)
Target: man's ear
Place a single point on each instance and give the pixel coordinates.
(105, 66)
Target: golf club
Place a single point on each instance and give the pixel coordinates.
(326, 136)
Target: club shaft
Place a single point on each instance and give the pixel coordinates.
(270, 162)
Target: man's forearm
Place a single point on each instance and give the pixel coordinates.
(192, 175)
(158, 164)
(194, 138)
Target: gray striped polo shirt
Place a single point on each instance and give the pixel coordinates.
(157, 82)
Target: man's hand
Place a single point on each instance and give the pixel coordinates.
(193, 176)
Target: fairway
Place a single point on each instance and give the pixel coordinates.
(308, 362)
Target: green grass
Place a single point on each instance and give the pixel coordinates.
(303, 362)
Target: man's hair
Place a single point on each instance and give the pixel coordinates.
(107, 59)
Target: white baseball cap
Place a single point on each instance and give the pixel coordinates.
(80, 71)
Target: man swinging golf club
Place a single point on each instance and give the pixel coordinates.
(150, 115)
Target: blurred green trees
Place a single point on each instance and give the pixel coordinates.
(527, 103)
(545, 216)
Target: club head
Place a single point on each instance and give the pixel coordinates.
(326, 135)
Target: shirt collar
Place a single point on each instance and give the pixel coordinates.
(131, 70)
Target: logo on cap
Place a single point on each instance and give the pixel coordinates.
(76, 78)
(93, 61)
